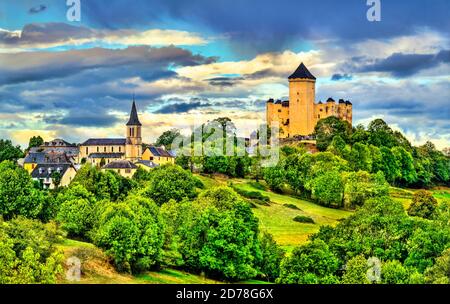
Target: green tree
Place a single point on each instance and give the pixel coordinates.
(35, 141)
(406, 164)
(9, 152)
(326, 129)
(328, 189)
(356, 271)
(361, 186)
(360, 158)
(423, 204)
(439, 273)
(272, 255)
(275, 177)
(312, 263)
(389, 165)
(17, 193)
(171, 182)
(220, 237)
(75, 216)
(393, 272)
(167, 138)
(132, 233)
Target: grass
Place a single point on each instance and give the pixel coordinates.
(277, 218)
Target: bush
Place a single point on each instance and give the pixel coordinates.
(423, 204)
(303, 219)
(291, 206)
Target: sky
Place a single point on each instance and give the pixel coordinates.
(192, 61)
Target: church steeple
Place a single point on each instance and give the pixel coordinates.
(133, 149)
(134, 119)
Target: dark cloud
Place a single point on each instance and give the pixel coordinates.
(181, 107)
(146, 62)
(265, 25)
(224, 81)
(404, 65)
(338, 77)
(83, 119)
(51, 32)
(37, 9)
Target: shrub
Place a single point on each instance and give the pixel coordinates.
(303, 219)
(291, 206)
(423, 204)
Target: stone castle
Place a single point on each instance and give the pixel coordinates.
(299, 115)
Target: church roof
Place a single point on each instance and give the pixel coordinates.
(134, 119)
(302, 72)
(106, 155)
(104, 142)
(120, 164)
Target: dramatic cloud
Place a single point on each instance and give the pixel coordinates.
(403, 65)
(22, 67)
(45, 35)
(180, 108)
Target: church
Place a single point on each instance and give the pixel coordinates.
(123, 155)
(299, 115)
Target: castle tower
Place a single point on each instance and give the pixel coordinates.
(302, 94)
(133, 148)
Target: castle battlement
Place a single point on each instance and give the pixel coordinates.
(300, 114)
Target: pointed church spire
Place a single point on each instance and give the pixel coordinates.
(302, 72)
(134, 119)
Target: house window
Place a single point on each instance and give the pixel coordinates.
(87, 150)
(104, 149)
(120, 149)
(118, 171)
(128, 171)
(112, 149)
(151, 157)
(279, 111)
(98, 149)
(318, 116)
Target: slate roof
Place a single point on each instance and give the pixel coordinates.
(105, 142)
(330, 99)
(348, 103)
(47, 158)
(120, 164)
(106, 155)
(134, 119)
(302, 72)
(160, 152)
(57, 143)
(148, 163)
(46, 170)
(341, 100)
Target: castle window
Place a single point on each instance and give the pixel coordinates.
(298, 93)
(279, 111)
(318, 116)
